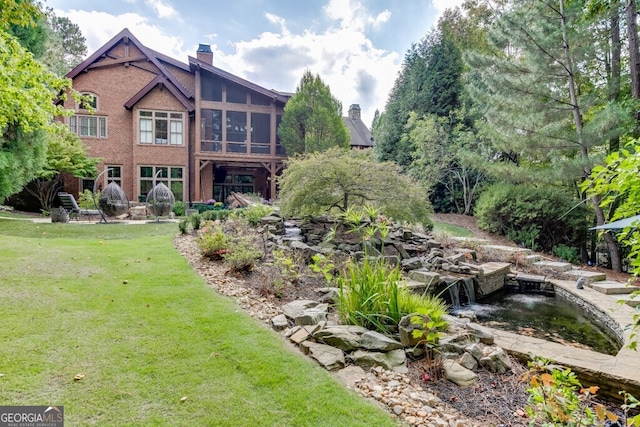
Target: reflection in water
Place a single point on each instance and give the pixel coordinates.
(550, 318)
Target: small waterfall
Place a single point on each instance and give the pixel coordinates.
(292, 232)
(469, 289)
(454, 293)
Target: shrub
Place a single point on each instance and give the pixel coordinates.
(241, 256)
(522, 211)
(196, 221)
(212, 241)
(372, 296)
(85, 199)
(184, 225)
(253, 214)
(179, 208)
(567, 253)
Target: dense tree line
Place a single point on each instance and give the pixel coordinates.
(532, 93)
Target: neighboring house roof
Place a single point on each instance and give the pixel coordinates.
(169, 80)
(277, 96)
(359, 133)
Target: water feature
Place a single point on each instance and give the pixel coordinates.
(550, 318)
(461, 292)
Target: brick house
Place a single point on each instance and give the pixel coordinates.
(200, 130)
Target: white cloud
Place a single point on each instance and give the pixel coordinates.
(163, 9)
(344, 57)
(98, 28)
(352, 14)
(442, 5)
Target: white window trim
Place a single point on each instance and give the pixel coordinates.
(101, 125)
(174, 139)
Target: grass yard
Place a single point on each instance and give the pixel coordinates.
(442, 228)
(156, 346)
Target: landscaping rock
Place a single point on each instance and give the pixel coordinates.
(394, 360)
(495, 360)
(481, 333)
(468, 361)
(372, 340)
(280, 322)
(406, 328)
(295, 308)
(328, 357)
(311, 316)
(458, 374)
(345, 338)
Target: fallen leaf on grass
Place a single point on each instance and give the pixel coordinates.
(183, 399)
(79, 376)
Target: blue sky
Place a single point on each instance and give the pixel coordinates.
(356, 46)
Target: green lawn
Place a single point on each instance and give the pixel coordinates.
(440, 228)
(157, 347)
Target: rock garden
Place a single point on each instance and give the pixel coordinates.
(357, 295)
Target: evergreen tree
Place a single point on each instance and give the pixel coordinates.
(312, 119)
(543, 109)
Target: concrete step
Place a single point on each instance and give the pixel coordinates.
(531, 259)
(590, 276)
(554, 265)
(631, 300)
(611, 287)
(419, 287)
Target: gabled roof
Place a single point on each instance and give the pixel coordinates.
(359, 133)
(277, 96)
(152, 56)
(160, 81)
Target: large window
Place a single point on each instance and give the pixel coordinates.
(260, 127)
(236, 94)
(237, 183)
(211, 87)
(161, 127)
(114, 174)
(236, 126)
(170, 176)
(88, 126)
(211, 125)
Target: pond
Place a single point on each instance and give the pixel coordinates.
(550, 318)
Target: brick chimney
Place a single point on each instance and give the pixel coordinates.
(354, 111)
(205, 54)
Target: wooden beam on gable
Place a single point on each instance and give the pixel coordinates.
(111, 62)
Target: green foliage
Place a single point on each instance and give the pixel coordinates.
(617, 184)
(429, 83)
(373, 296)
(65, 45)
(179, 208)
(312, 119)
(184, 225)
(323, 265)
(196, 221)
(286, 265)
(567, 253)
(556, 398)
(431, 321)
(241, 256)
(252, 214)
(542, 215)
(630, 403)
(212, 241)
(335, 180)
(86, 200)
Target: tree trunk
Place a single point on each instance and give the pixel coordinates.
(634, 53)
(616, 52)
(584, 152)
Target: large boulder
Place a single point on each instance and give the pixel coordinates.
(344, 337)
(395, 360)
(372, 340)
(458, 374)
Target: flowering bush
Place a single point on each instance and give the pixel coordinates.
(211, 201)
(212, 241)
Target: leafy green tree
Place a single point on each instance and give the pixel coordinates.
(337, 179)
(429, 83)
(545, 112)
(617, 184)
(312, 119)
(66, 155)
(65, 45)
(32, 34)
(26, 102)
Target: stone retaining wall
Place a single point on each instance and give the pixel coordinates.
(594, 314)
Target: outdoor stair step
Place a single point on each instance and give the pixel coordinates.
(611, 287)
(589, 276)
(554, 265)
(531, 259)
(631, 300)
(521, 277)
